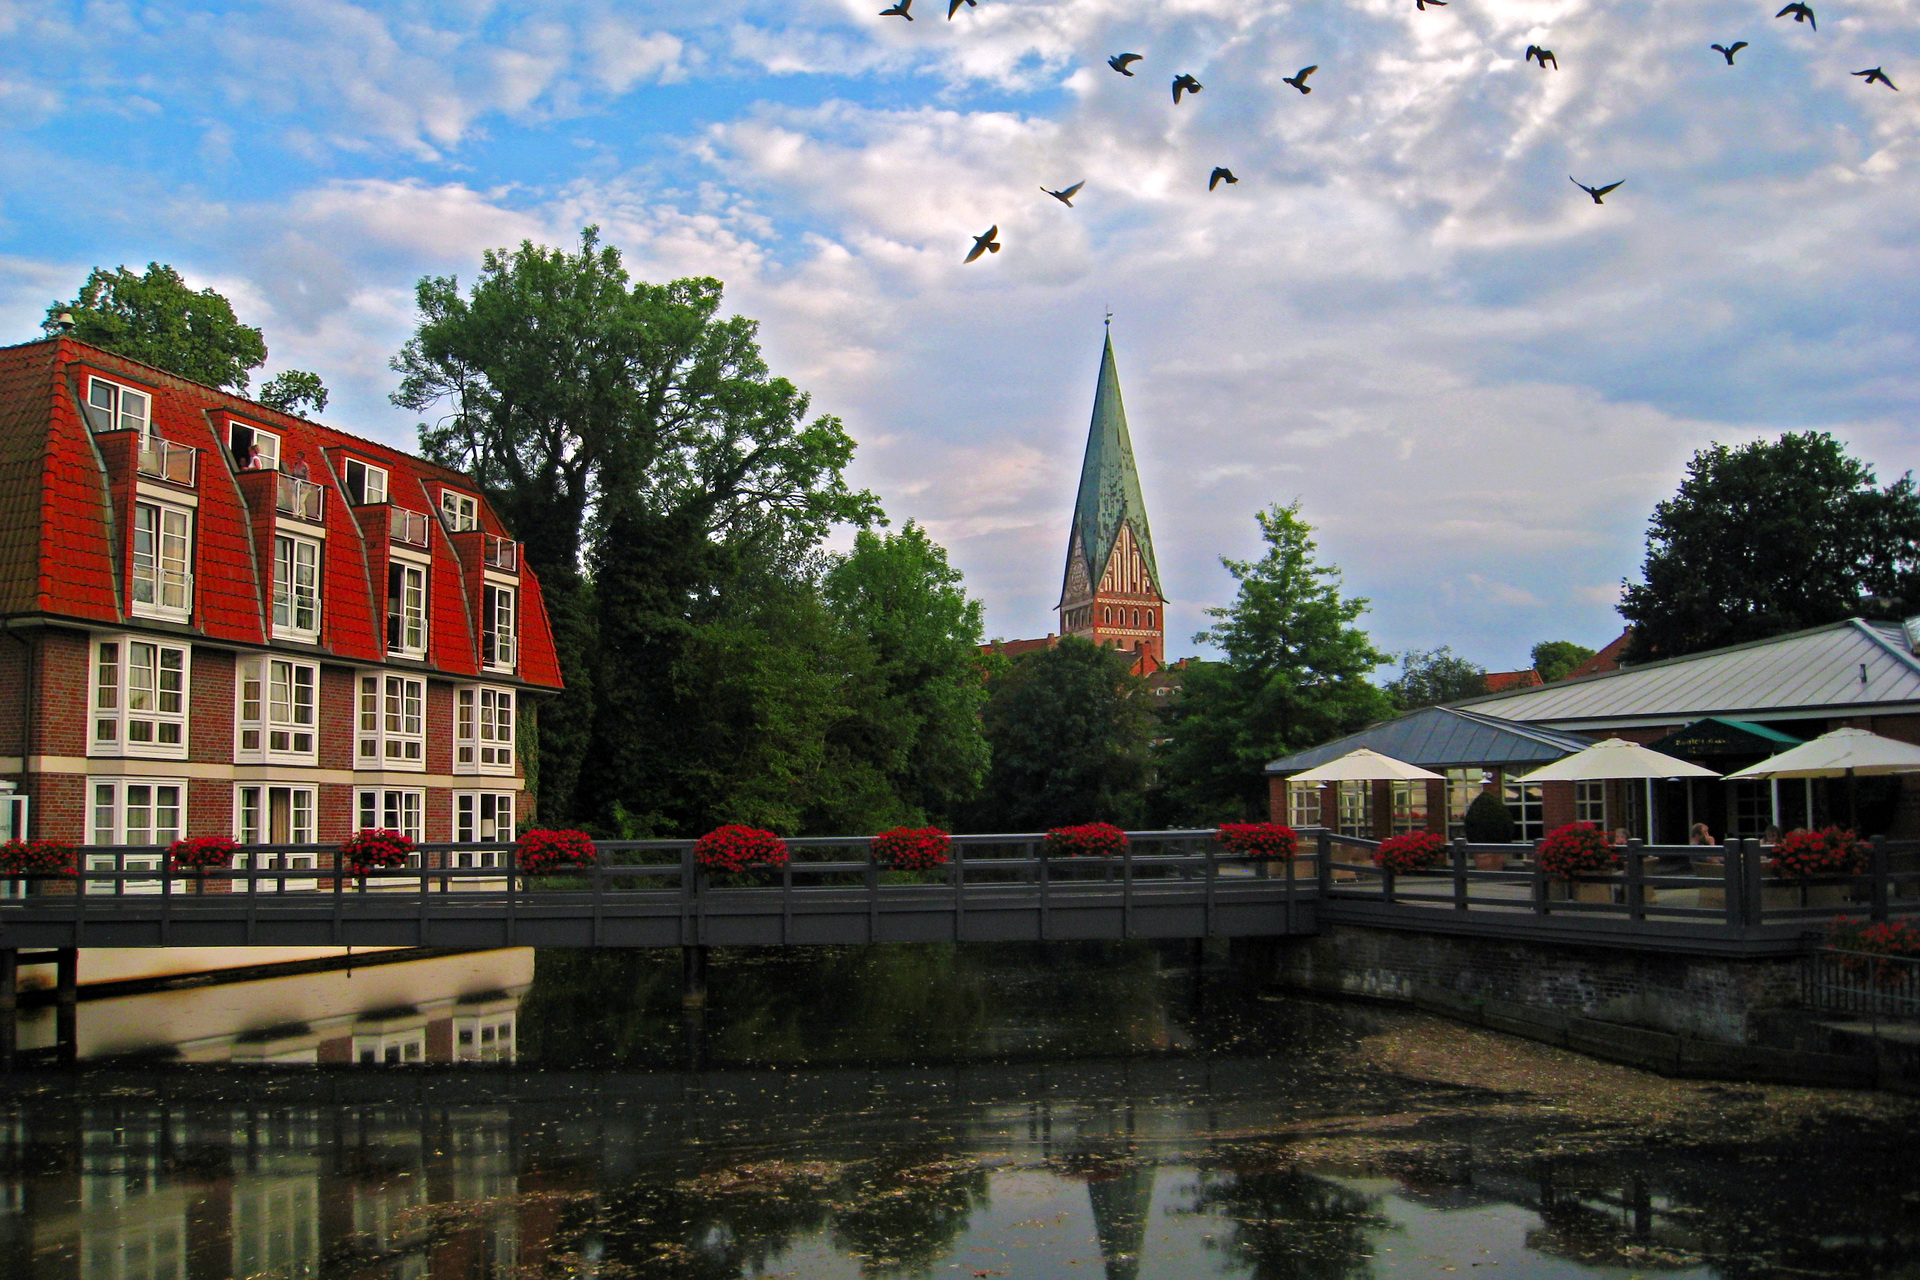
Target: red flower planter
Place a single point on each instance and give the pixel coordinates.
(1577, 849)
(1808, 855)
(542, 852)
(911, 848)
(1412, 851)
(738, 848)
(1259, 839)
(1090, 840)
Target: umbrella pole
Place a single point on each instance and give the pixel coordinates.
(1650, 826)
(1853, 803)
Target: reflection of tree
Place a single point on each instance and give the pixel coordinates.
(715, 1227)
(1120, 1207)
(1290, 1225)
(901, 1215)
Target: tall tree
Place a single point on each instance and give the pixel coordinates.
(898, 593)
(294, 392)
(1556, 659)
(1295, 673)
(156, 318)
(1771, 537)
(1435, 675)
(1069, 729)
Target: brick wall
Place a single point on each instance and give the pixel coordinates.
(1556, 804)
(336, 818)
(59, 720)
(439, 731)
(15, 651)
(59, 806)
(209, 807)
(338, 716)
(211, 708)
(1716, 999)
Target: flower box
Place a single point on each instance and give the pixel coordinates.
(1810, 855)
(1412, 852)
(1579, 848)
(38, 858)
(543, 852)
(911, 848)
(735, 848)
(201, 853)
(1090, 840)
(375, 848)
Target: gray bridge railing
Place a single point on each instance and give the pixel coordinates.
(1858, 982)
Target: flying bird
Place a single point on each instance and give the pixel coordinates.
(1219, 176)
(1543, 56)
(899, 10)
(1595, 192)
(1876, 75)
(1184, 83)
(1065, 197)
(1299, 78)
(985, 243)
(1422, 4)
(1800, 12)
(953, 7)
(1121, 61)
(1728, 50)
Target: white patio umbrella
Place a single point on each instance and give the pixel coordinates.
(1839, 753)
(1617, 759)
(1364, 765)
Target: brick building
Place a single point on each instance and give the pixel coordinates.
(221, 619)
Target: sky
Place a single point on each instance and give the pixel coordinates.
(1476, 382)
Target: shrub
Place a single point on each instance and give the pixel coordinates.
(1806, 855)
(201, 853)
(1888, 938)
(1089, 840)
(1412, 851)
(538, 852)
(39, 858)
(911, 848)
(1577, 849)
(738, 848)
(1488, 821)
(375, 847)
(1259, 839)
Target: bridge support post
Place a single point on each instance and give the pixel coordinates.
(9, 1006)
(693, 977)
(66, 1002)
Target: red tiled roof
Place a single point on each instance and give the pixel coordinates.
(1501, 681)
(1608, 659)
(1014, 648)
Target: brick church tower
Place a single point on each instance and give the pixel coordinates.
(1110, 544)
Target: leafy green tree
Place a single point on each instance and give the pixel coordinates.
(294, 392)
(899, 594)
(1771, 537)
(1556, 659)
(1068, 728)
(156, 318)
(1295, 674)
(1435, 675)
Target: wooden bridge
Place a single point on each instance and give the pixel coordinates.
(996, 888)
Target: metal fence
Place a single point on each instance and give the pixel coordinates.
(1858, 982)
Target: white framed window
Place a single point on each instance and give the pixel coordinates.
(139, 698)
(1523, 802)
(133, 811)
(162, 560)
(253, 449)
(366, 484)
(481, 815)
(1303, 805)
(275, 815)
(461, 511)
(1356, 808)
(112, 407)
(1463, 788)
(483, 730)
(392, 1048)
(1409, 806)
(1590, 802)
(277, 717)
(296, 587)
(486, 1037)
(407, 609)
(393, 809)
(497, 631)
(392, 722)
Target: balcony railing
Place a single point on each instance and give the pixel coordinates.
(165, 460)
(502, 554)
(301, 499)
(409, 527)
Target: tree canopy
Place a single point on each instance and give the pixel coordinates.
(1556, 659)
(1433, 676)
(1295, 673)
(1771, 537)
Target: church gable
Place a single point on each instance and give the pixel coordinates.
(1078, 587)
(1128, 572)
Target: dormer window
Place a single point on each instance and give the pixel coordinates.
(253, 449)
(112, 407)
(365, 484)
(460, 510)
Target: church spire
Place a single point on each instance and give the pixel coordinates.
(1111, 593)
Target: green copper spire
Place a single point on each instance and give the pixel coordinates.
(1109, 484)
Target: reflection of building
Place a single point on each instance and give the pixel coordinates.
(1110, 593)
(229, 620)
(1724, 709)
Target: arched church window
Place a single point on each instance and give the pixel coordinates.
(1149, 617)
(1136, 617)
(1106, 613)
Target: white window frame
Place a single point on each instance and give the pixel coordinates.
(1464, 786)
(1409, 805)
(1590, 802)
(483, 729)
(111, 806)
(402, 809)
(499, 626)
(473, 824)
(127, 408)
(115, 690)
(252, 824)
(484, 1037)
(1354, 808)
(266, 446)
(371, 494)
(390, 1048)
(407, 628)
(459, 511)
(1525, 803)
(1303, 804)
(296, 587)
(164, 567)
(273, 721)
(390, 715)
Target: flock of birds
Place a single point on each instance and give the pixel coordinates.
(1184, 85)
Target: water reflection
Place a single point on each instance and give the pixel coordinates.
(1226, 1136)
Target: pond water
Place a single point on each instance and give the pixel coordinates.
(1019, 1112)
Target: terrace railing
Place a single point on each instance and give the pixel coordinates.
(407, 527)
(301, 499)
(165, 460)
(1856, 982)
(501, 553)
